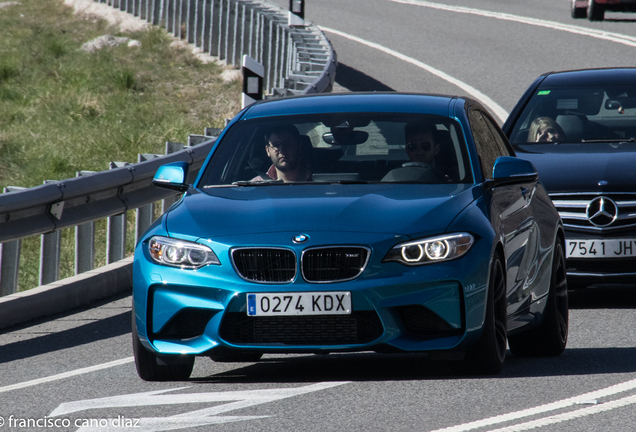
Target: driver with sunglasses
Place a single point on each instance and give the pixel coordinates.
(421, 148)
(420, 143)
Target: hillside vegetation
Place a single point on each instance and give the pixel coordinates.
(63, 109)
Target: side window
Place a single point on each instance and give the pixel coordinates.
(497, 135)
(487, 148)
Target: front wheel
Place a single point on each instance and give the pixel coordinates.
(595, 11)
(151, 367)
(488, 355)
(551, 336)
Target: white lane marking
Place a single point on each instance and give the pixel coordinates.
(207, 416)
(598, 34)
(158, 397)
(66, 374)
(607, 406)
(492, 105)
(584, 398)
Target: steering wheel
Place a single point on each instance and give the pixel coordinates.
(412, 164)
(415, 164)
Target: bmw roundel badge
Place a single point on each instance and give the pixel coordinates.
(300, 238)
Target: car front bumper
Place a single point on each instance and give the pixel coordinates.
(394, 307)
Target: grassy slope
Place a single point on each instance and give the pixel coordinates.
(63, 110)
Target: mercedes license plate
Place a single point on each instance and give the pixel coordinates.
(306, 303)
(606, 248)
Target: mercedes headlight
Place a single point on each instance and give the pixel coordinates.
(180, 253)
(430, 250)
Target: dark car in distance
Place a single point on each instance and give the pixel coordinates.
(579, 129)
(595, 10)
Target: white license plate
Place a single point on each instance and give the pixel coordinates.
(607, 248)
(306, 303)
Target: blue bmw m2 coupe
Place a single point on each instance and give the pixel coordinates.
(352, 222)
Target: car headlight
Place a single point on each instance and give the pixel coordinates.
(180, 253)
(430, 250)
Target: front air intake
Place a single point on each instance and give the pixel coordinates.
(265, 265)
(334, 264)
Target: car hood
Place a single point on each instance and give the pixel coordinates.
(411, 210)
(583, 167)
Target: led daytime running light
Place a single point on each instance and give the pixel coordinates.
(180, 253)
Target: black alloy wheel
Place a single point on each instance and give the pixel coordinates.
(488, 355)
(551, 336)
(595, 12)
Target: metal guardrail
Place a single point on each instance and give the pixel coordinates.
(297, 60)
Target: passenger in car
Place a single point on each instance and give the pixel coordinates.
(283, 148)
(544, 129)
(421, 148)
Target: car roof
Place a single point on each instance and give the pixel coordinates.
(583, 77)
(353, 102)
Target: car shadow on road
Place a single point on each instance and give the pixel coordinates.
(356, 81)
(371, 366)
(85, 329)
(620, 20)
(406, 367)
(604, 297)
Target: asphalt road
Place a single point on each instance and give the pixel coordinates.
(75, 371)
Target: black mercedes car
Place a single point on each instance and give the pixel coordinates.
(579, 129)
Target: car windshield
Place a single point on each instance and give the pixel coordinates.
(340, 148)
(578, 114)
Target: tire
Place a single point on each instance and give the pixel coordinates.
(551, 336)
(151, 367)
(577, 13)
(595, 12)
(489, 353)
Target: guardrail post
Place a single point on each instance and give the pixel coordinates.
(191, 17)
(145, 214)
(50, 250)
(84, 242)
(10, 260)
(50, 257)
(215, 12)
(9, 265)
(169, 15)
(232, 25)
(198, 23)
(204, 32)
(116, 231)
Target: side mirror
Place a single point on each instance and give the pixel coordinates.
(172, 176)
(510, 170)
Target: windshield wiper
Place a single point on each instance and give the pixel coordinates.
(246, 183)
(341, 182)
(609, 140)
(280, 182)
